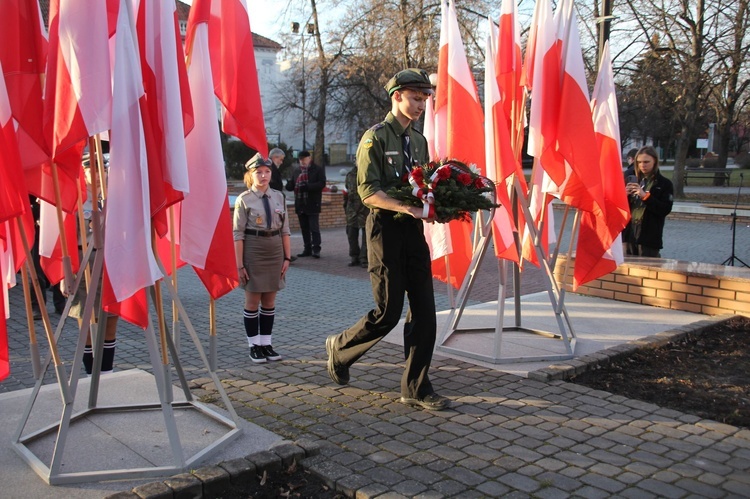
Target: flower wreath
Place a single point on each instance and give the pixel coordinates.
(446, 190)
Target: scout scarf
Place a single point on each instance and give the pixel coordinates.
(301, 179)
(640, 207)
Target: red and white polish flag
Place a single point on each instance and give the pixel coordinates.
(50, 242)
(167, 113)
(576, 142)
(78, 90)
(14, 204)
(459, 134)
(14, 197)
(23, 53)
(501, 162)
(129, 261)
(230, 42)
(599, 243)
(207, 242)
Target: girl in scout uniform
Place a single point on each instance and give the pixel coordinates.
(262, 252)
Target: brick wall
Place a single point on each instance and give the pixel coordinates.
(693, 287)
(331, 213)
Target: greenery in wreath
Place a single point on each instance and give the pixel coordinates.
(446, 190)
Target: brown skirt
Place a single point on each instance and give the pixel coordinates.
(263, 259)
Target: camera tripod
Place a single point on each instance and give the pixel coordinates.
(733, 257)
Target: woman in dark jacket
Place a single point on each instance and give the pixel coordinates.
(650, 202)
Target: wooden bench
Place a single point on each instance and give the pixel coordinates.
(723, 174)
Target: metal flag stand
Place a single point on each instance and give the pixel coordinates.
(565, 333)
(53, 472)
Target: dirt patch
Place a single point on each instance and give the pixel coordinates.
(706, 374)
(293, 482)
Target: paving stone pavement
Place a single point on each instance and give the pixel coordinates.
(503, 436)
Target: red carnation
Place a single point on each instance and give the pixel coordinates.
(478, 183)
(443, 173)
(418, 175)
(464, 178)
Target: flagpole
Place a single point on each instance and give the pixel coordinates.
(100, 164)
(451, 298)
(159, 305)
(98, 178)
(573, 233)
(33, 345)
(40, 299)
(212, 357)
(162, 325)
(67, 267)
(516, 202)
(173, 250)
(516, 126)
(82, 233)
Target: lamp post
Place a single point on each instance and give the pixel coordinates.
(310, 31)
(604, 20)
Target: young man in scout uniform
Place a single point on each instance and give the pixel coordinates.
(399, 257)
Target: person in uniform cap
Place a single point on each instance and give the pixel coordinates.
(262, 252)
(398, 255)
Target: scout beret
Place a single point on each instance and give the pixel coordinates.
(256, 161)
(416, 79)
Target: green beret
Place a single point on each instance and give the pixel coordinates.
(416, 79)
(256, 161)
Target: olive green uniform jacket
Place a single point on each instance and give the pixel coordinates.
(380, 156)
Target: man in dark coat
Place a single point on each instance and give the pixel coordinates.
(307, 182)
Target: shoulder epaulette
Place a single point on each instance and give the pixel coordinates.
(377, 126)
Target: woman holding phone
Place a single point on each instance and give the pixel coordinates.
(650, 195)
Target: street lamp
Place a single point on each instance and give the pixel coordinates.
(310, 31)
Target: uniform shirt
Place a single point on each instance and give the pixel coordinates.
(380, 156)
(249, 213)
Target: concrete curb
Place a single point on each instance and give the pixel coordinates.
(566, 370)
(214, 480)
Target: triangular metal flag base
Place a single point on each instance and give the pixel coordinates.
(99, 416)
(498, 357)
(491, 347)
(54, 472)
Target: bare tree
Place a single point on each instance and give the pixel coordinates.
(353, 60)
(682, 24)
(707, 42)
(646, 102)
(312, 78)
(730, 90)
(380, 39)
